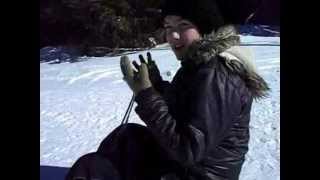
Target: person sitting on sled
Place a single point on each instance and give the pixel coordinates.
(197, 126)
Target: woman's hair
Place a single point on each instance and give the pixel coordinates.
(205, 14)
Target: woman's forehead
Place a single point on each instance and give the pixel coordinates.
(174, 19)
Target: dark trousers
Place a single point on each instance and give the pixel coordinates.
(133, 153)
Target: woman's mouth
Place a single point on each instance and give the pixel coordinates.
(178, 47)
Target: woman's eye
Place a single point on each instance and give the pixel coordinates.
(168, 29)
(184, 24)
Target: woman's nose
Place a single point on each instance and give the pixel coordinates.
(175, 35)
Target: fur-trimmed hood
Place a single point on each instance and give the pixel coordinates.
(225, 43)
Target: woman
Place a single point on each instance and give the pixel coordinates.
(197, 125)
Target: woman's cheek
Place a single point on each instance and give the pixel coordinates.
(191, 35)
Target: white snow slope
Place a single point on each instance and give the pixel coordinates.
(81, 103)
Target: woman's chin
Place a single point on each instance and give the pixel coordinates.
(179, 54)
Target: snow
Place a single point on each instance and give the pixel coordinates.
(81, 103)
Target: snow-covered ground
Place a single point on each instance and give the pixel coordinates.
(81, 103)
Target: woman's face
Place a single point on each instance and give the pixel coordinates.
(180, 34)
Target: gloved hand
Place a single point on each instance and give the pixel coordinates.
(137, 80)
(153, 70)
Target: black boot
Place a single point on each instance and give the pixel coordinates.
(92, 166)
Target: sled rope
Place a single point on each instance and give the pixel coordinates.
(128, 111)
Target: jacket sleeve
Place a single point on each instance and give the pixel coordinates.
(214, 104)
(162, 86)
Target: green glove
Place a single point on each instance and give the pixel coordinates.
(136, 80)
(153, 70)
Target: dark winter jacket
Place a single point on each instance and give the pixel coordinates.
(202, 117)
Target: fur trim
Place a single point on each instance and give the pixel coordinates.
(255, 83)
(243, 54)
(225, 43)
